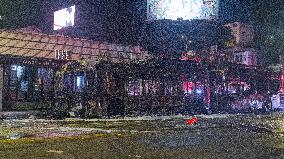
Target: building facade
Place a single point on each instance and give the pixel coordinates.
(240, 51)
(243, 33)
(29, 61)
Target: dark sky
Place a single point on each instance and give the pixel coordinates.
(29, 9)
(120, 18)
(24, 12)
(27, 12)
(18, 13)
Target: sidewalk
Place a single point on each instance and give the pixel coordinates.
(19, 114)
(33, 114)
(149, 118)
(15, 127)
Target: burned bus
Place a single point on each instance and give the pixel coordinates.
(153, 87)
(156, 87)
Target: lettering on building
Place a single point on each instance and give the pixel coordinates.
(62, 55)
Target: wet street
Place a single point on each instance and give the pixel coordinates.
(214, 136)
(218, 143)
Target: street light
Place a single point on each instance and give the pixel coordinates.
(186, 41)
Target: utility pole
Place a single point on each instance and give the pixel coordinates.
(281, 90)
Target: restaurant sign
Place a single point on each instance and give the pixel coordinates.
(42, 62)
(62, 55)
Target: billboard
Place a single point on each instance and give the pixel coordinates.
(64, 18)
(184, 9)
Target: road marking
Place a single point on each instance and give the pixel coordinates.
(55, 151)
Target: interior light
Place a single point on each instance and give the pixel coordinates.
(198, 91)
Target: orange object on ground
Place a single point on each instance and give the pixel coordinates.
(192, 121)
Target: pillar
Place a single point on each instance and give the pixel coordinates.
(281, 89)
(1, 86)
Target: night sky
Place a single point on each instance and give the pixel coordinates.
(30, 12)
(130, 13)
(21, 13)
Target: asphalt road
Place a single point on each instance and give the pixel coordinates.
(213, 137)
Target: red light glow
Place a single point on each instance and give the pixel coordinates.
(187, 87)
(192, 121)
(282, 84)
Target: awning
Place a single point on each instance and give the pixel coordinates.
(27, 44)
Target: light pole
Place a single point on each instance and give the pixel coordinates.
(186, 42)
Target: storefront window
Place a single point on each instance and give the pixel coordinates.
(188, 87)
(69, 83)
(91, 83)
(80, 83)
(199, 88)
(237, 87)
(135, 87)
(18, 70)
(43, 82)
(74, 83)
(24, 83)
(17, 88)
(152, 87)
(169, 88)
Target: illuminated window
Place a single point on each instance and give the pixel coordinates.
(80, 83)
(69, 83)
(169, 88)
(134, 87)
(44, 77)
(188, 87)
(27, 83)
(151, 87)
(43, 83)
(17, 83)
(199, 88)
(24, 86)
(17, 70)
(238, 58)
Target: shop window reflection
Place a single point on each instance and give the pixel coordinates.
(23, 83)
(43, 83)
(169, 88)
(188, 88)
(151, 87)
(69, 83)
(80, 83)
(17, 70)
(135, 87)
(17, 83)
